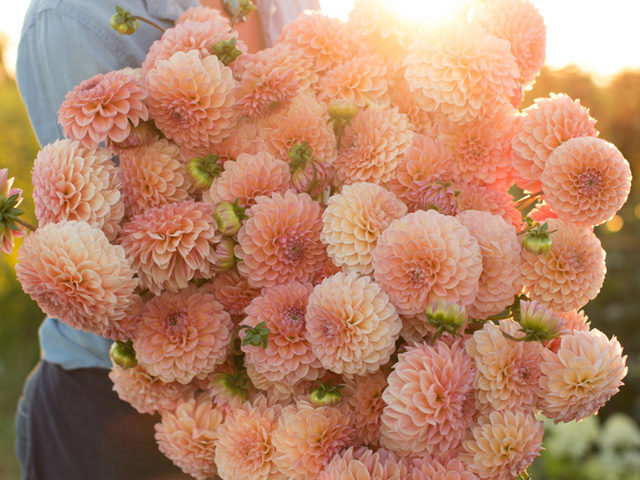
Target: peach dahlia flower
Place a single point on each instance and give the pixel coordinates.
(233, 291)
(364, 396)
(432, 469)
(365, 464)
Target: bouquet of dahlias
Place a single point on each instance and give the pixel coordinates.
(308, 257)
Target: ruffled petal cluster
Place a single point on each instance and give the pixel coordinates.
(205, 15)
(71, 182)
(354, 220)
(365, 464)
(429, 400)
(351, 325)
(364, 396)
(169, 245)
(433, 469)
(182, 335)
(426, 256)
(264, 93)
(571, 274)
(233, 291)
(582, 376)
(489, 199)
(74, 274)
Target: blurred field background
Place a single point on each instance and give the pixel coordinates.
(606, 447)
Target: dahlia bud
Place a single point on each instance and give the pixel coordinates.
(342, 109)
(226, 50)
(224, 259)
(229, 217)
(538, 323)
(123, 354)
(203, 170)
(537, 240)
(239, 9)
(124, 22)
(326, 395)
(299, 155)
(446, 317)
(232, 384)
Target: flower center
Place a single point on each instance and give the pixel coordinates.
(294, 249)
(176, 321)
(589, 182)
(293, 322)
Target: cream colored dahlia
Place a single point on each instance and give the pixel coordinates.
(188, 434)
(72, 272)
(361, 80)
(365, 464)
(500, 279)
(71, 182)
(244, 447)
(507, 371)
(354, 220)
(582, 376)
(307, 438)
(543, 127)
(327, 41)
(261, 94)
(586, 180)
(281, 240)
(351, 325)
(153, 176)
(426, 256)
(429, 400)
(203, 14)
(169, 245)
(502, 445)
(454, 469)
(288, 357)
(364, 396)
(461, 73)
(233, 291)
(181, 336)
(148, 394)
(191, 100)
(106, 106)
(571, 274)
(372, 145)
(248, 177)
(519, 22)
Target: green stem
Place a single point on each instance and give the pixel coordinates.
(234, 350)
(26, 224)
(149, 22)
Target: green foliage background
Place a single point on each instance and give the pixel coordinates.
(616, 311)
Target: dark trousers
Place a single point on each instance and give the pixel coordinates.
(71, 425)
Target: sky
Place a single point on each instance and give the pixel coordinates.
(597, 35)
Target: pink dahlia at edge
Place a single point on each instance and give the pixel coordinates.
(308, 257)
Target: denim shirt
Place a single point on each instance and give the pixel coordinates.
(64, 42)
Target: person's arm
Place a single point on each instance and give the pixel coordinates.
(55, 54)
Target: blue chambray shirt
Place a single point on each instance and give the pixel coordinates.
(64, 42)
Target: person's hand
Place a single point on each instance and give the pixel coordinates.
(250, 32)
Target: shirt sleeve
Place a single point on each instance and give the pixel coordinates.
(55, 54)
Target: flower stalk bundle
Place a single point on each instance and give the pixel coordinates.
(308, 256)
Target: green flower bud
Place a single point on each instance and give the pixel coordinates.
(124, 22)
(299, 155)
(326, 395)
(342, 109)
(538, 323)
(446, 317)
(123, 354)
(537, 240)
(224, 258)
(229, 217)
(231, 385)
(203, 170)
(226, 50)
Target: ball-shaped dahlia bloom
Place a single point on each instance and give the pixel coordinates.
(351, 325)
(462, 73)
(261, 94)
(244, 447)
(105, 106)
(507, 371)
(288, 357)
(489, 199)
(360, 80)
(169, 245)
(433, 469)
(365, 464)
(72, 272)
(364, 396)
(571, 274)
(248, 177)
(371, 146)
(586, 180)
(582, 376)
(153, 176)
(519, 22)
(502, 444)
(181, 336)
(429, 400)
(191, 100)
(188, 434)
(280, 242)
(233, 291)
(327, 41)
(500, 279)
(426, 256)
(148, 394)
(71, 182)
(354, 220)
(307, 438)
(545, 125)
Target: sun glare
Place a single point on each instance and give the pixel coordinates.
(429, 12)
